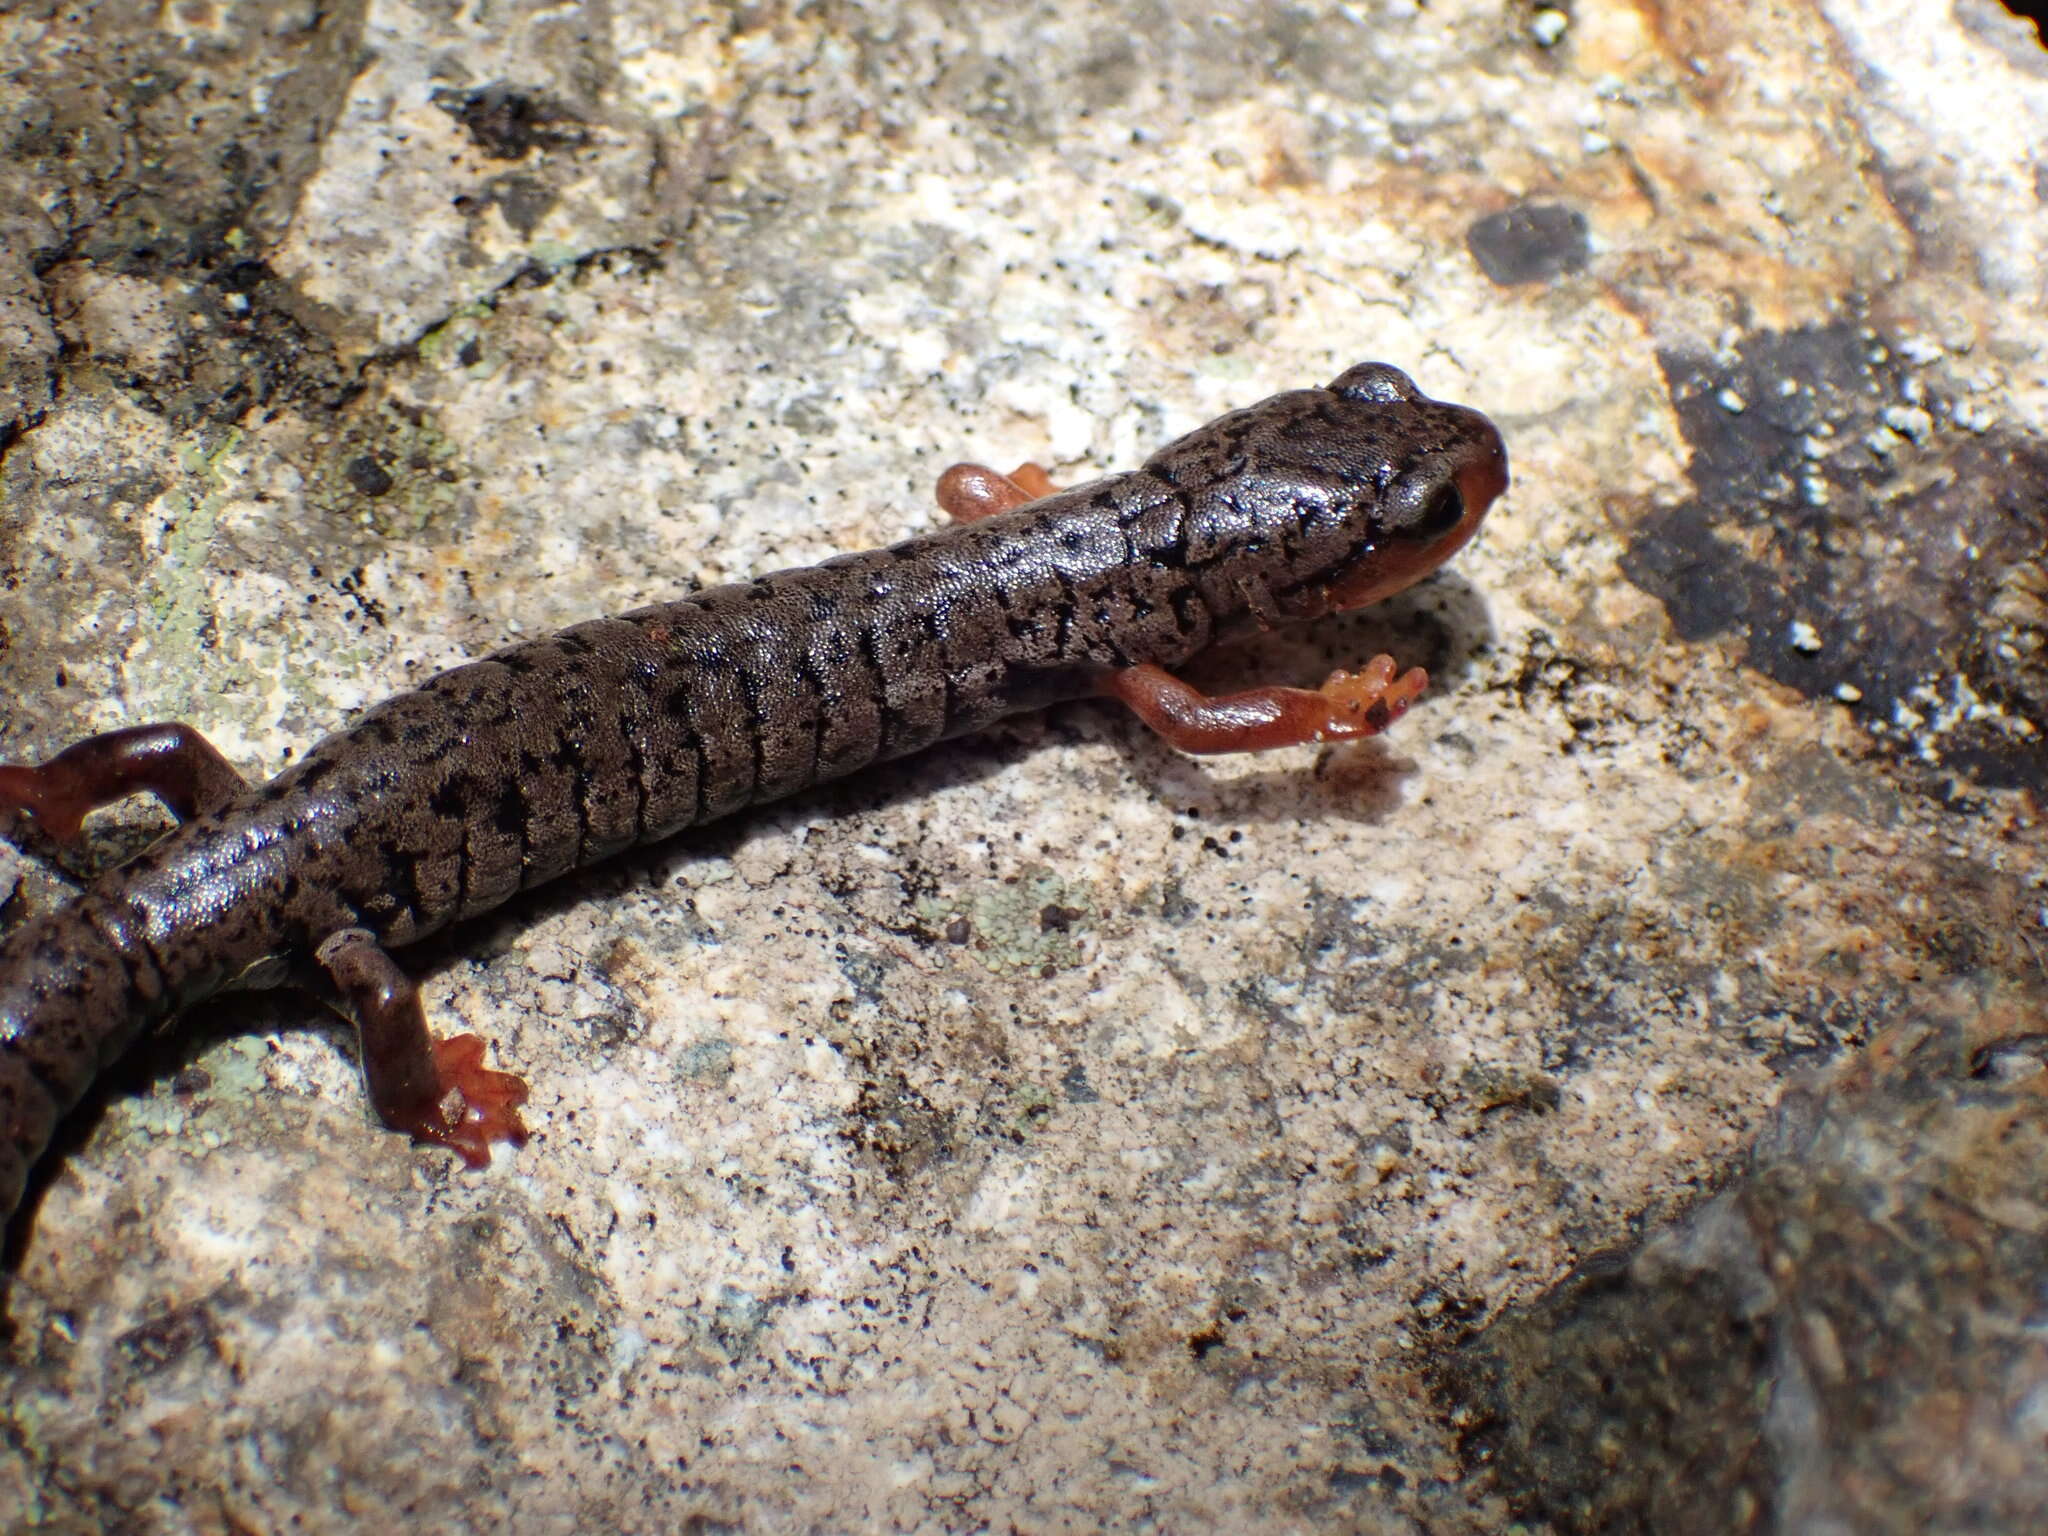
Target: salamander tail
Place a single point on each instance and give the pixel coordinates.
(70, 1002)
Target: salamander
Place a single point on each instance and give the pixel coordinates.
(442, 802)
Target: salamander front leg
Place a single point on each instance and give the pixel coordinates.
(969, 492)
(433, 1090)
(1351, 705)
(171, 761)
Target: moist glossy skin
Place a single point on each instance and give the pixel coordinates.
(498, 775)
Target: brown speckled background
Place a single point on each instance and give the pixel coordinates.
(1614, 1101)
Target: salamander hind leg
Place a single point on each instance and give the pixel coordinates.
(435, 1091)
(1348, 707)
(969, 492)
(171, 761)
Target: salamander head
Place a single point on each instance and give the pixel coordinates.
(1429, 471)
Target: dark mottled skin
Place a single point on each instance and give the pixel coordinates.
(498, 775)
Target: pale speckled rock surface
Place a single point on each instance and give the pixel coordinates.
(1051, 1133)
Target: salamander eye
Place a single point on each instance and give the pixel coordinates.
(1376, 383)
(1425, 508)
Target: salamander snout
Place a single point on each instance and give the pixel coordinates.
(1462, 467)
(1448, 465)
(1477, 466)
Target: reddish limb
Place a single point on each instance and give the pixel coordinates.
(434, 1090)
(969, 492)
(1349, 706)
(173, 762)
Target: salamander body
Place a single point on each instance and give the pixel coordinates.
(495, 776)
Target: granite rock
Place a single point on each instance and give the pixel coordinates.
(1053, 1132)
